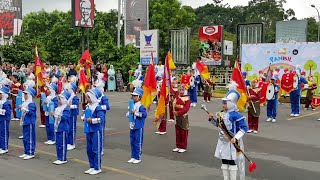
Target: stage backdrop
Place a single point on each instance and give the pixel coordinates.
(256, 57)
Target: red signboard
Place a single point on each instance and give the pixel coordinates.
(83, 13)
(210, 48)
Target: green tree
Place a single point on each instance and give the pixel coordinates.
(312, 29)
(167, 14)
(247, 67)
(310, 66)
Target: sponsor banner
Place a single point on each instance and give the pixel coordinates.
(258, 57)
(83, 13)
(210, 48)
(149, 44)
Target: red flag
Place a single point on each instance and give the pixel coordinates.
(85, 59)
(241, 88)
(164, 92)
(150, 86)
(38, 68)
(83, 81)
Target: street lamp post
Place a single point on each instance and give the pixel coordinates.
(318, 20)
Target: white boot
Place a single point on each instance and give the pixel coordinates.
(233, 172)
(225, 171)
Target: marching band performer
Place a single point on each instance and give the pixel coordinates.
(53, 88)
(15, 87)
(104, 103)
(5, 116)
(93, 135)
(310, 91)
(207, 91)
(193, 89)
(232, 162)
(181, 104)
(254, 107)
(137, 126)
(73, 104)
(28, 121)
(272, 105)
(247, 82)
(295, 95)
(61, 127)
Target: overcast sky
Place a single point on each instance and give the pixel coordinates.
(301, 7)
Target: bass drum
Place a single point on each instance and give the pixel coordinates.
(270, 92)
(295, 81)
(192, 81)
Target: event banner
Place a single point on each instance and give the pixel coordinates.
(10, 19)
(149, 44)
(210, 47)
(83, 13)
(258, 57)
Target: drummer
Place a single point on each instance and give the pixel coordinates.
(295, 96)
(272, 103)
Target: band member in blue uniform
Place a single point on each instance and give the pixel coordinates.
(137, 126)
(62, 115)
(247, 82)
(5, 116)
(104, 103)
(53, 88)
(94, 132)
(295, 96)
(28, 121)
(272, 105)
(73, 103)
(193, 89)
(235, 123)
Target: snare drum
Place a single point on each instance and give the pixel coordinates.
(315, 101)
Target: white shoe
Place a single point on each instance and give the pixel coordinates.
(194, 104)
(274, 120)
(102, 153)
(3, 151)
(22, 156)
(255, 132)
(42, 126)
(305, 108)
(89, 171)
(249, 131)
(58, 162)
(28, 157)
(20, 137)
(136, 161)
(318, 119)
(313, 109)
(269, 119)
(175, 149)
(94, 172)
(296, 115)
(162, 133)
(154, 102)
(182, 150)
(291, 114)
(208, 101)
(47, 142)
(157, 132)
(70, 147)
(51, 142)
(170, 120)
(131, 160)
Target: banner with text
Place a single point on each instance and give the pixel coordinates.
(149, 43)
(210, 47)
(258, 57)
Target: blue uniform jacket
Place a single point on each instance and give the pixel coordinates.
(297, 91)
(104, 103)
(98, 113)
(64, 125)
(238, 122)
(7, 111)
(139, 120)
(75, 106)
(31, 115)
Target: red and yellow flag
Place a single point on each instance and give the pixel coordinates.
(164, 93)
(241, 88)
(38, 68)
(203, 70)
(150, 86)
(86, 62)
(83, 81)
(170, 60)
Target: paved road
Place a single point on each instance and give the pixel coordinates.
(285, 150)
